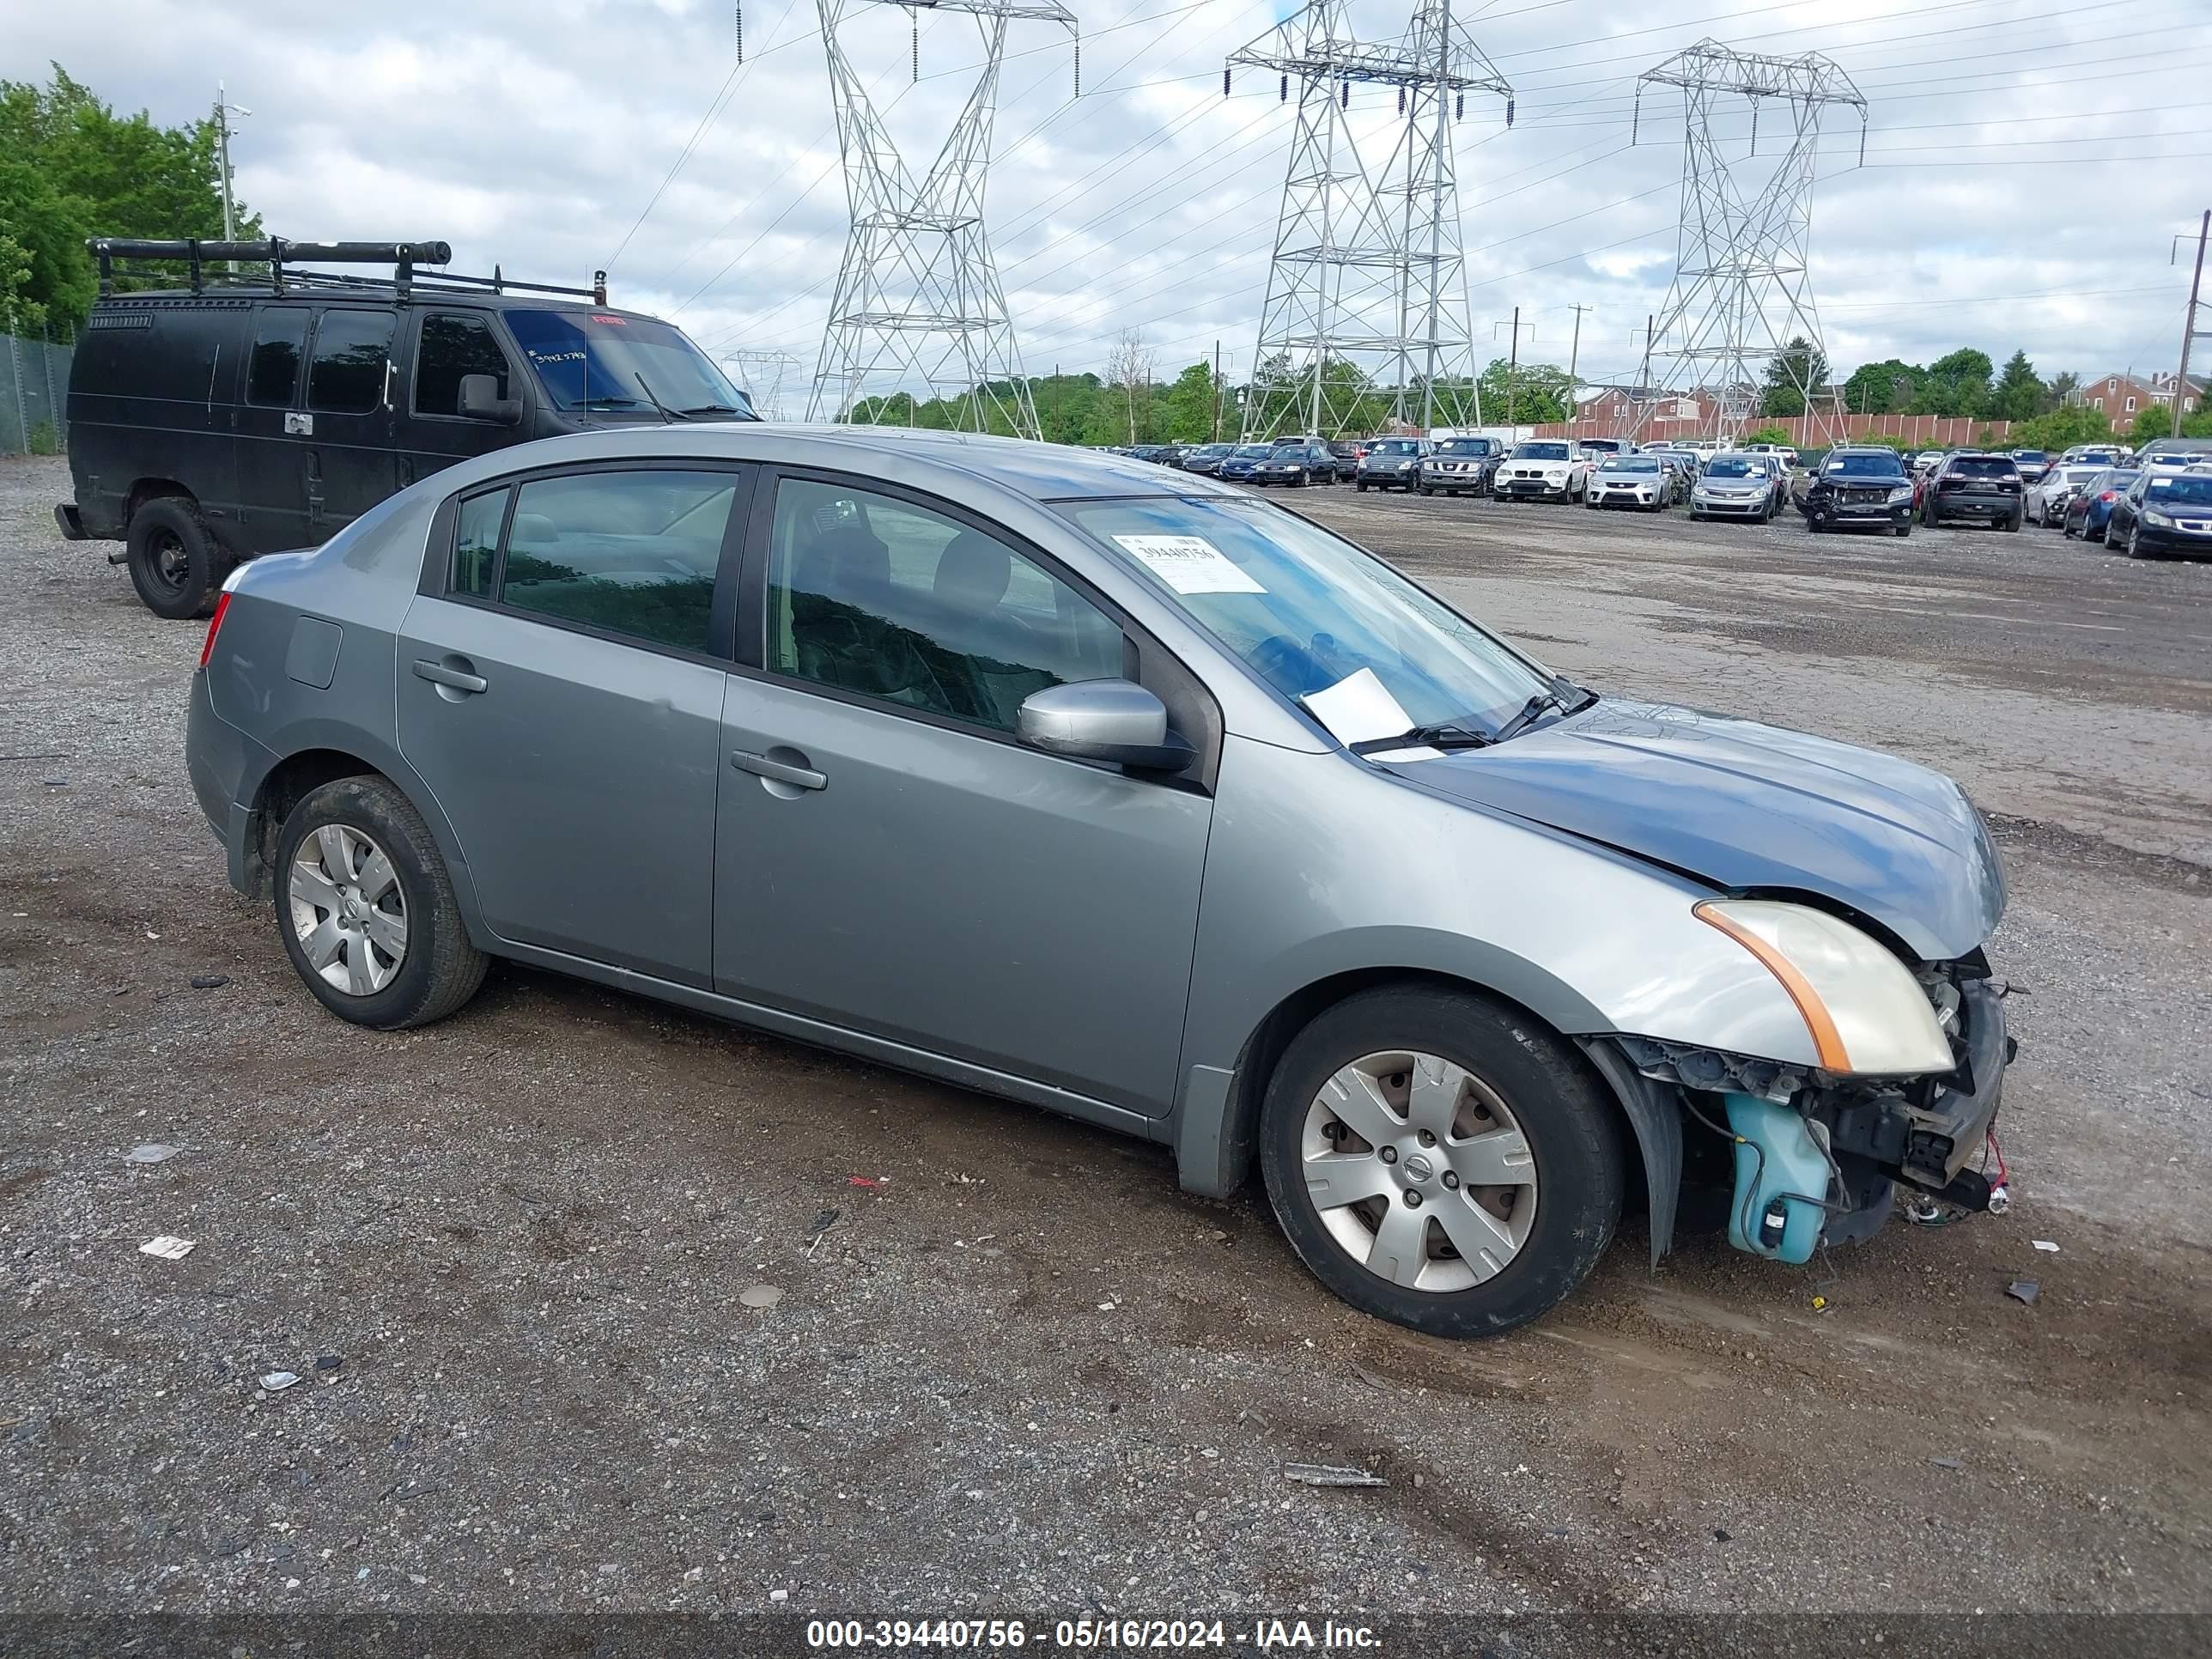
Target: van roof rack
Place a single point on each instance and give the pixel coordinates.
(277, 253)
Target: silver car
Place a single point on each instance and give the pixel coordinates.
(1130, 795)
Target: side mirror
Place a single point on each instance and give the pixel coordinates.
(1114, 721)
(480, 401)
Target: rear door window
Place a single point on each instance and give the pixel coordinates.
(353, 353)
(452, 344)
(633, 552)
(280, 339)
(1983, 467)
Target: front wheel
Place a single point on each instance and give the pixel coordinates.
(1441, 1162)
(1904, 530)
(1363, 486)
(366, 910)
(1428, 489)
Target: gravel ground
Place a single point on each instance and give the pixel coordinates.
(508, 1257)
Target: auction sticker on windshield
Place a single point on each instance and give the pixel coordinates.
(1190, 564)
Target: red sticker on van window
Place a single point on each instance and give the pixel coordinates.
(618, 321)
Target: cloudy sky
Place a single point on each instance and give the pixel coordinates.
(2027, 166)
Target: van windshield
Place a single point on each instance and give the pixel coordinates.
(596, 360)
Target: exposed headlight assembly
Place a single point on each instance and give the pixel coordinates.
(1902, 493)
(1865, 1011)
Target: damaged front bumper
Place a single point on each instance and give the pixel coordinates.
(1815, 1159)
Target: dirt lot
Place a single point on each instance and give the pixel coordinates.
(505, 1254)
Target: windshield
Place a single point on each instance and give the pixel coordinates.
(2075, 477)
(1983, 467)
(2029, 457)
(593, 360)
(1394, 446)
(1866, 467)
(2194, 488)
(1217, 449)
(1466, 446)
(2171, 457)
(1630, 464)
(1255, 452)
(1733, 466)
(1541, 453)
(1308, 610)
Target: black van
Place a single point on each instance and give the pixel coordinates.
(232, 417)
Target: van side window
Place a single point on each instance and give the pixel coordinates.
(352, 348)
(454, 344)
(280, 335)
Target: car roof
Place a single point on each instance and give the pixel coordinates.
(950, 463)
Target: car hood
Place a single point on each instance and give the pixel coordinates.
(1750, 807)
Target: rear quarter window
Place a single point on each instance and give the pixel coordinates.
(185, 354)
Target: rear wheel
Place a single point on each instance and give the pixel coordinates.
(1440, 1161)
(365, 908)
(174, 562)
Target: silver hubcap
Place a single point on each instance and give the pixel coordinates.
(347, 910)
(1419, 1171)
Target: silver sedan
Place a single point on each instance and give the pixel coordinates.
(1127, 794)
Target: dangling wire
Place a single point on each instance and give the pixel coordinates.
(741, 32)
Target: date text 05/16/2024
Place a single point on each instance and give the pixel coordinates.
(1000, 1635)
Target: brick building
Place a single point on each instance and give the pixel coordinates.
(2123, 395)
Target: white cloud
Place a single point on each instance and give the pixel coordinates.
(2028, 167)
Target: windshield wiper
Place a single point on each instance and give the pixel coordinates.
(710, 409)
(607, 402)
(1445, 736)
(1563, 695)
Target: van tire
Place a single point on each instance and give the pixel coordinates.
(174, 562)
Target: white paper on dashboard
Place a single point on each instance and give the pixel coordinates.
(1359, 708)
(1191, 564)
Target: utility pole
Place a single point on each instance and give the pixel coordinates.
(1216, 393)
(224, 109)
(2189, 323)
(1513, 366)
(1575, 351)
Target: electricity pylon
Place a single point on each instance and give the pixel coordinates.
(1367, 290)
(767, 402)
(1740, 294)
(918, 297)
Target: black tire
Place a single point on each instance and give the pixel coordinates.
(1573, 1131)
(1904, 530)
(1428, 489)
(174, 561)
(441, 969)
(1363, 486)
(2013, 524)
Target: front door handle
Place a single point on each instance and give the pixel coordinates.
(780, 771)
(437, 674)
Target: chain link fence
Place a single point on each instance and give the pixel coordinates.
(34, 373)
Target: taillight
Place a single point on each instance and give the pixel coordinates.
(214, 625)
(2106, 496)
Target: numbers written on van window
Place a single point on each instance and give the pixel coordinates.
(560, 356)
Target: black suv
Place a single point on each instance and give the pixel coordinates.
(1860, 489)
(238, 417)
(1457, 466)
(1974, 486)
(1297, 462)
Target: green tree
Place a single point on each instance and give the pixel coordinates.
(2060, 428)
(1888, 387)
(2157, 421)
(1186, 416)
(1541, 393)
(2019, 391)
(72, 168)
(1957, 385)
(2061, 386)
(1795, 373)
(1769, 434)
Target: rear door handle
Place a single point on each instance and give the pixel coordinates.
(437, 674)
(761, 766)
